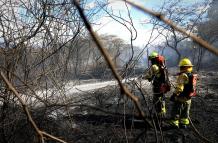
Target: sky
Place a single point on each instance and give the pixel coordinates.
(109, 26)
(106, 25)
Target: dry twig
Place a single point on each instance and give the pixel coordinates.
(27, 112)
(197, 132)
(159, 16)
(110, 63)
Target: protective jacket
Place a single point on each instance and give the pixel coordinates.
(185, 89)
(186, 86)
(158, 75)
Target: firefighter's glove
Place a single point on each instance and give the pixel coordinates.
(173, 97)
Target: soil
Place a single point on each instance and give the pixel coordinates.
(105, 115)
(111, 118)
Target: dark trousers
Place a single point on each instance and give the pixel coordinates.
(180, 110)
(159, 101)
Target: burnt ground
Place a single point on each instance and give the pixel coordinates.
(110, 118)
(106, 116)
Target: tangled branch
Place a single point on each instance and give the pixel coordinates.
(40, 133)
(159, 16)
(110, 63)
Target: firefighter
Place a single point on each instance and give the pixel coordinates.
(185, 88)
(158, 76)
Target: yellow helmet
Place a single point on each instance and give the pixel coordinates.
(185, 62)
(153, 55)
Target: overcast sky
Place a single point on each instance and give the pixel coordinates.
(107, 25)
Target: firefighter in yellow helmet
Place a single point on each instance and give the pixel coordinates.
(158, 76)
(185, 88)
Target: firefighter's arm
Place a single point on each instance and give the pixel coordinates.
(152, 72)
(181, 81)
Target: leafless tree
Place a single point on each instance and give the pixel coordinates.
(185, 16)
(45, 51)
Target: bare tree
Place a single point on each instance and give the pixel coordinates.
(46, 51)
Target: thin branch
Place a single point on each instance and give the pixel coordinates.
(108, 59)
(197, 132)
(195, 38)
(27, 112)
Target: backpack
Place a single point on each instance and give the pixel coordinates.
(193, 81)
(160, 60)
(166, 86)
(190, 88)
